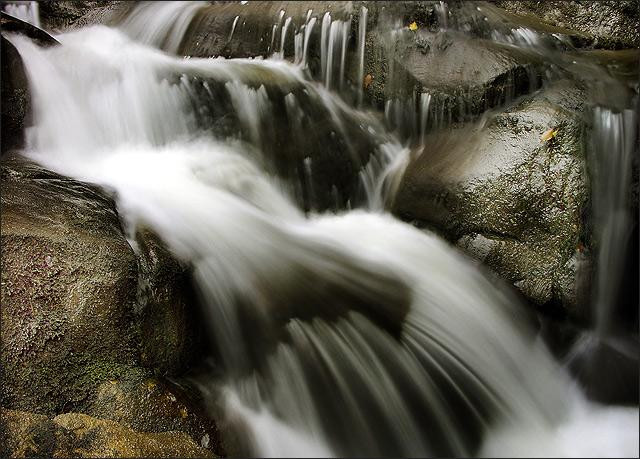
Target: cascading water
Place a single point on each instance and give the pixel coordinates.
(26, 11)
(347, 333)
(615, 137)
(161, 24)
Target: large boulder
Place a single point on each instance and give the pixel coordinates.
(611, 25)
(79, 308)
(512, 193)
(78, 435)
(16, 102)
(68, 289)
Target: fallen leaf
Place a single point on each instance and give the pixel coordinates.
(548, 135)
(367, 80)
(413, 26)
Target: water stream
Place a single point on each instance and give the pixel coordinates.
(338, 330)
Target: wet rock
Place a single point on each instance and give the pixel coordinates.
(511, 198)
(71, 315)
(78, 435)
(170, 337)
(153, 404)
(68, 289)
(612, 25)
(61, 15)
(12, 24)
(15, 98)
(16, 101)
(210, 31)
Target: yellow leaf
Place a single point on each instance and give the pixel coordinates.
(413, 26)
(367, 80)
(548, 135)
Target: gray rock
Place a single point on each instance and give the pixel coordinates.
(610, 25)
(508, 196)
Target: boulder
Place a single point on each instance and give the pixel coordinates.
(170, 336)
(154, 404)
(16, 101)
(512, 192)
(79, 308)
(68, 289)
(610, 25)
(15, 98)
(78, 435)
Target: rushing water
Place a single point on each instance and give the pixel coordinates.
(26, 11)
(335, 333)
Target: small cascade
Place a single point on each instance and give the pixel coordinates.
(161, 24)
(335, 328)
(233, 27)
(615, 138)
(283, 37)
(362, 34)
(26, 11)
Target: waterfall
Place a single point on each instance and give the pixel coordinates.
(161, 24)
(26, 11)
(336, 333)
(362, 34)
(614, 141)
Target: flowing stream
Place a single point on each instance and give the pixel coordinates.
(338, 330)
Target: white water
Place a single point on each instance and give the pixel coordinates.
(26, 11)
(613, 147)
(362, 35)
(161, 24)
(347, 334)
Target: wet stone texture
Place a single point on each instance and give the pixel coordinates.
(512, 193)
(78, 435)
(78, 331)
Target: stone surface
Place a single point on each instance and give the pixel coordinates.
(78, 435)
(68, 289)
(153, 404)
(511, 198)
(15, 98)
(170, 334)
(612, 25)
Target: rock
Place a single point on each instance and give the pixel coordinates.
(71, 316)
(509, 198)
(170, 334)
(76, 334)
(210, 31)
(152, 404)
(58, 16)
(16, 102)
(78, 435)
(612, 25)
(12, 24)
(68, 289)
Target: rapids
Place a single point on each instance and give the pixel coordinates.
(338, 330)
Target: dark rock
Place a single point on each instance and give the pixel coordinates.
(58, 16)
(78, 435)
(511, 195)
(11, 24)
(16, 102)
(170, 336)
(612, 25)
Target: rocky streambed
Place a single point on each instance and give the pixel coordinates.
(102, 330)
